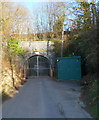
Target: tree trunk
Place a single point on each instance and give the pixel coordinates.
(12, 73)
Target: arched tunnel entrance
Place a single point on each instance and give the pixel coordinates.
(38, 65)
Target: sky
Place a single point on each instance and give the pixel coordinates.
(35, 4)
(44, 0)
(36, 0)
(30, 4)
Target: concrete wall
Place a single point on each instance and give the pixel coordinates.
(44, 48)
(37, 45)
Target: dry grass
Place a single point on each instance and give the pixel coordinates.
(6, 84)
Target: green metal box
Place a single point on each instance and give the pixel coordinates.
(69, 68)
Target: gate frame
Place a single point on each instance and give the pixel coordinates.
(27, 67)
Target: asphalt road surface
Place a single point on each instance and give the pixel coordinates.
(42, 97)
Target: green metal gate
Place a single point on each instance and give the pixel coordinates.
(38, 66)
(69, 68)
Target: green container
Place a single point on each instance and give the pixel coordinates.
(69, 68)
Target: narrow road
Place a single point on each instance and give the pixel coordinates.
(44, 98)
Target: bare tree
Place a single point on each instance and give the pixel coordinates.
(12, 19)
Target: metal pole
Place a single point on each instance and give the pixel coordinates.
(37, 66)
(62, 44)
(48, 47)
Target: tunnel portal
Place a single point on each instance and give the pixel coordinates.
(38, 65)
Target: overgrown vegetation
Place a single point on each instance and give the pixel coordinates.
(12, 53)
(81, 24)
(11, 68)
(81, 40)
(14, 48)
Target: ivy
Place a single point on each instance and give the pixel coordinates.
(14, 48)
